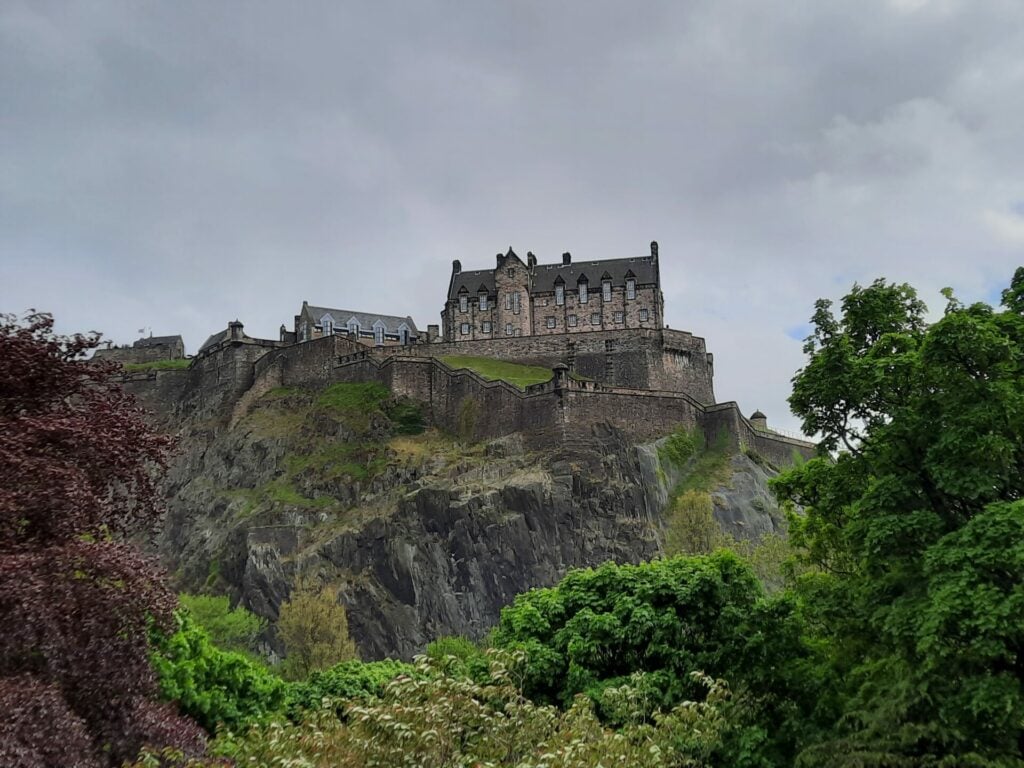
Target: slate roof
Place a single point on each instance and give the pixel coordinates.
(216, 338)
(156, 341)
(366, 319)
(471, 281)
(544, 275)
(642, 268)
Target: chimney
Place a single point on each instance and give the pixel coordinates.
(531, 260)
(654, 249)
(501, 257)
(566, 258)
(235, 330)
(456, 266)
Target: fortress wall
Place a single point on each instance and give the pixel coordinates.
(309, 362)
(777, 449)
(641, 415)
(683, 364)
(467, 405)
(159, 392)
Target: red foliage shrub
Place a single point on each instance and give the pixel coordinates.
(77, 462)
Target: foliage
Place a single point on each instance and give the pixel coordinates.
(460, 656)
(345, 681)
(313, 626)
(691, 528)
(215, 687)
(76, 459)
(652, 624)
(681, 446)
(430, 719)
(359, 397)
(916, 525)
(178, 364)
(233, 629)
(492, 369)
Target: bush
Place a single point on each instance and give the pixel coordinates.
(314, 628)
(350, 680)
(231, 629)
(212, 686)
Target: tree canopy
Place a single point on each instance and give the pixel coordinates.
(916, 523)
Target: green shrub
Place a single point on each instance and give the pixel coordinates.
(460, 656)
(212, 686)
(680, 447)
(348, 680)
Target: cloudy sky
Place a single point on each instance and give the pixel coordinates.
(176, 165)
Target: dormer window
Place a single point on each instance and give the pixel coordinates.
(559, 294)
(483, 301)
(353, 326)
(378, 333)
(606, 290)
(631, 288)
(584, 297)
(463, 303)
(327, 325)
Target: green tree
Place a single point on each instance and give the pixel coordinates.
(234, 629)
(651, 626)
(313, 626)
(916, 525)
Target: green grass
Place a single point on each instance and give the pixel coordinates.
(517, 375)
(350, 398)
(160, 365)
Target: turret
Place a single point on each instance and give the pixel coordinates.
(759, 421)
(235, 330)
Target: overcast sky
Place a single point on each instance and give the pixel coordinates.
(176, 165)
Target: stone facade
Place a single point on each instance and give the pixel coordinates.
(519, 298)
(148, 349)
(366, 328)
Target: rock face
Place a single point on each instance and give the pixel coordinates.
(424, 537)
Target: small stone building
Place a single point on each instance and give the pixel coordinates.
(148, 349)
(365, 327)
(519, 298)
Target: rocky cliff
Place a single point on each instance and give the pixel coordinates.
(425, 536)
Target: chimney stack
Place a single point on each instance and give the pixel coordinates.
(566, 258)
(654, 249)
(456, 266)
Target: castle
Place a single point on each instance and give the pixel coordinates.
(597, 325)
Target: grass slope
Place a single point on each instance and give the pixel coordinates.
(160, 365)
(517, 375)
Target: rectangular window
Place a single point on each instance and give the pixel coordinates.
(631, 288)
(508, 329)
(619, 317)
(508, 301)
(595, 318)
(378, 336)
(515, 302)
(518, 332)
(463, 303)
(549, 322)
(483, 302)
(465, 329)
(583, 293)
(573, 320)
(643, 315)
(559, 294)
(606, 290)
(486, 326)
(512, 273)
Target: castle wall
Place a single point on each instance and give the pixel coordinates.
(595, 314)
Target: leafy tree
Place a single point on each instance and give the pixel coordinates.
(213, 686)
(651, 626)
(917, 525)
(313, 626)
(349, 680)
(77, 459)
(233, 629)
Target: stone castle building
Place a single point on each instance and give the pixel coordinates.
(148, 349)
(519, 298)
(366, 328)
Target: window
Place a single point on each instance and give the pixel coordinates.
(606, 290)
(573, 320)
(549, 322)
(511, 272)
(643, 315)
(486, 327)
(518, 332)
(508, 329)
(463, 303)
(508, 301)
(328, 326)
(559, 294)
(483, 302)
(304, 331)
(378, 335)
(631, 288)
(583, 291)
(515, 302)
(403, 335)
(464, 329)
(619, 317)
(353, 326)
(595, 318)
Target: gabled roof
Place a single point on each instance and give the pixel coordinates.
(218, 337)
(641, 267)
(366, 319)
(471, 282)
(156, 341)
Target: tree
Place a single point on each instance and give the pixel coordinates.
(313, 626)
(77, 460)
(652, 626)
(917, 525)
(234, 629)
